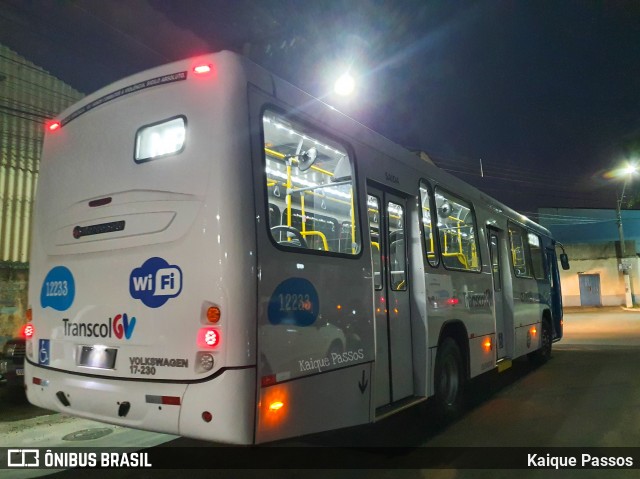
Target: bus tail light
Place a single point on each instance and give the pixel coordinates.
(29, 315)
(534, 331)
(487, 345)
(208, 338)
(207, 416)
(267, 381)
(27, 331)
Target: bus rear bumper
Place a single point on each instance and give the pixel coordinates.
(172, 408)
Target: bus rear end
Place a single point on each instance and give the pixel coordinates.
(141, 284)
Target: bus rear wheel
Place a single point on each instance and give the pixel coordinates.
(450, 379)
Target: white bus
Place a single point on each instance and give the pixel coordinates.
(218, 255)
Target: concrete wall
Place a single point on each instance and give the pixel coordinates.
(601, 259)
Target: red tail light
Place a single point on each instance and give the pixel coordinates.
(27, 331)
(208, 338)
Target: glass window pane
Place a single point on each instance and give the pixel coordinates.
(495, 262)
(456, 230)
(519, 251)
(160, 139)
(537, 256)
(428, 229)
(373, 207)
(397, 252)
(309, 182)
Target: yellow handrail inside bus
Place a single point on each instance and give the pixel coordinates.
(353, 225)
(461, 257)
(317, 233)
(304, 231)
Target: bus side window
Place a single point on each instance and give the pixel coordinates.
(456, 228)
(428, 227)
(309, 187)
(397, 250)
(520, 254)
(537, 256)
(373, 212)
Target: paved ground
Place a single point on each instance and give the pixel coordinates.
(587, 395)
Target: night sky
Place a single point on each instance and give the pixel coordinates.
(545, 93)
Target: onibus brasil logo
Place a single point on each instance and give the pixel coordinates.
(155, 282)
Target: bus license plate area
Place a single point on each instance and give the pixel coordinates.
(97, 357)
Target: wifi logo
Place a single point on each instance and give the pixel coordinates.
(155, 282)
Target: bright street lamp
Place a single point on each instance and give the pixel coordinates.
(345, 85)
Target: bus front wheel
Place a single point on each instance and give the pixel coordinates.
(449, 379)
(543, 354)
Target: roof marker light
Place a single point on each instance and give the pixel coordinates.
(202, 69)
(54, 125)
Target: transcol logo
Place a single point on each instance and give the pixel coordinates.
(121, 325)
(155, 282)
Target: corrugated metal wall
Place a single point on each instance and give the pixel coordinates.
(28, 97)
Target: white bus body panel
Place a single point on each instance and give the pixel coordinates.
(174, 247)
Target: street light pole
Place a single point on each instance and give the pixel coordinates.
(619, 218)
(626, 268)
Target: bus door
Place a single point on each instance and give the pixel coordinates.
(394, 363)
(503, 313)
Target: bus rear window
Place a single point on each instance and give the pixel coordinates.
(161, 139)
(309, 184)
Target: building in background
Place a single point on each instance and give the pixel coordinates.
(598, 267)
(29, 96)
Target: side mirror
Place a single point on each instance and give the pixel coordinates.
(564, 261)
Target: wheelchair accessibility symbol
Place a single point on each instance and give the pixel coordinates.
(43, 355)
